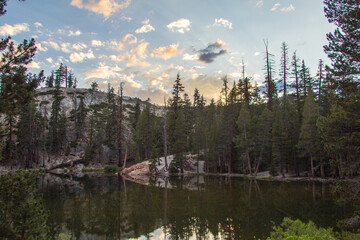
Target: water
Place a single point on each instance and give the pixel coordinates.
(109, 207)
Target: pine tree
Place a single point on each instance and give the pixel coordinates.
(343, 48)
(284, 67)
(296, 84)
(269, 81)
(180, 142)
(50, 80)
(309, 142)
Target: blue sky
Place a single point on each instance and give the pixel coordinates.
(145, 43)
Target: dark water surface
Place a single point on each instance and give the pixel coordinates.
(109, 207)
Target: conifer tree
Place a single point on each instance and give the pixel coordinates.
(309, 141)
(284, 67)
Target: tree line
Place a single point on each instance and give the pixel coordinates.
(298, 123)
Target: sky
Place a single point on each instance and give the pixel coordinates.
(145, 43)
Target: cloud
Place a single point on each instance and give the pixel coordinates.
(41, 48)
(140, 50)
(97, 43)
(208, 54)
(290, 8)
(81, 56)
(126, 18)
(167, 52)
(37, 24)
(260, 3)
(276, 5)
(223, 22)
(51, 44)
(79, 46)
(131, 60)
(104, 7)
(190, 57)
(74, 33)
(34, 65)
(7, 29)
(257, 53)
(65, 47)
(103, 72)
(182, 25)
(49, 60)
(145, 28)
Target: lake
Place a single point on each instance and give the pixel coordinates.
(109, 207)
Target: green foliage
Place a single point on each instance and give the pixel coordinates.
(154, 159)
(64, 236)
(297, 230)
(22, 215)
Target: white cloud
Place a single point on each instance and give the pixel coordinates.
(41, 48)
(34, 65)
(257, 53)
(75, 33)
(97, 43)
(190, 57)
(81, 56)
(145, 28)
(104, 7)
(236, 75)
(182, 25)
(260, 3)
(49, 60)
(12, 30)
(37, 24)
(223, 22)
(126, 18)
(65, 47)
(290, 8)
(276, 5)
(52, 44)
(256, 77)
(104, 72)
(79, 46)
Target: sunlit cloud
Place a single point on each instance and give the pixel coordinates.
(145, 28)
(37, 24)
(257, 53)
(182, 25)
(223, 22)
(12, 30)
(81, 56)
(41, 48)
(131, 60)
(190, 57)
(290, 8)
(104, 7)
(167, 52)
(49, 60)
(96, 43)
(104, 72)
(260, 3)
(51, 44)
(34, 65)
(276, 6)
(74, 33)
(79, 46)
(140, 50)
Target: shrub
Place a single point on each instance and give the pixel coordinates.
(297, 230)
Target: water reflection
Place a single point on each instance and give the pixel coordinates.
(109, 207)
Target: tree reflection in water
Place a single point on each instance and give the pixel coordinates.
(108, 207)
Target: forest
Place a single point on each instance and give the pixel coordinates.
(294, 122)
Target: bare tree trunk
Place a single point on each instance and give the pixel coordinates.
(312, 166)
(165, 138)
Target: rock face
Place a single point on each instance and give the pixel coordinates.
(71, 99)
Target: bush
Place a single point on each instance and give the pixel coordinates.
(111, 169)
(297, 230)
